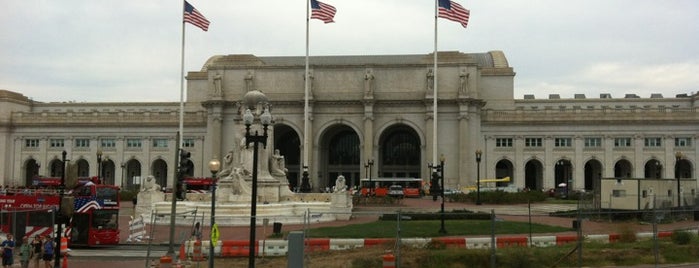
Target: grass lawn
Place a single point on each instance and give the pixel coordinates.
(388, 229)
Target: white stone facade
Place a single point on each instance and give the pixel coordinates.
(539, 143)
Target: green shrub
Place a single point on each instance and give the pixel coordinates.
(681, 237)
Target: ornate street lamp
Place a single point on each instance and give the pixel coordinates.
(255, 139)
(368, 165)
(214, 166)
(479, 153)
(678, 157)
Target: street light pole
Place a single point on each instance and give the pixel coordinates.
(255, 139)
(442, 230)
(479, 153)
(99, 165)
(678, 157)
(369, 164)
(59, 215)
(214, 166)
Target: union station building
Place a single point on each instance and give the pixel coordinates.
(363, 109)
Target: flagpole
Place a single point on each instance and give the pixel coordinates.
(306, 147)
(434, 86)
(171, 250)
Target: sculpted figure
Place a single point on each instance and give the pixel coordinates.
(368, 83)
(149, 184)
(227, 166)
(340, 185)
(430, 80)
(278, 164)
(218, 91)
(248, 81)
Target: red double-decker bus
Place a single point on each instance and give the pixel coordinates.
(94, 222)
(198, 184)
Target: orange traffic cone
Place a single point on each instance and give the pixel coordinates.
(65, 261)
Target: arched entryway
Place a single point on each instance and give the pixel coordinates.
(399, 153)
(133, 169)
(534, 175)
(563, 175)
(55, 168)
(593, 175)
(683, 169)
(623, 169)
(159, 171)
(288, 142)
(31, 170)
(504, 168)
(108, 169)
(340, 156)
(83, 168)
(653, 169)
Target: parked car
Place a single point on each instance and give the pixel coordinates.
(396, 191)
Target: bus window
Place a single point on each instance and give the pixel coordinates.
(105, 219)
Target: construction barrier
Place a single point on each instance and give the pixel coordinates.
(543, 241)
(276, 247)
(565, 239)
(137, 229)
(64, 246)
(196, 254)
(237, 248)
(65, 261)
(389, 261)
(317, 244)
(451, 242)
(345, 243)
(511, 242)
(165, 262)
(372, 242)
(478, 242)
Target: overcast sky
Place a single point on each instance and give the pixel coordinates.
(109, 50)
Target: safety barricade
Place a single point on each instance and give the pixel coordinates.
(196, 251)
(415, 242)
(276, 247)
(478, 242)
(317, 244)
(543, 241)
(64, 246)
(344, 244)
(137, 229)
(601, 238)
(373, 242)
(237, 248)
(451, 242)
(565, 239)
(389, 260)
(664, 234)
(502, 242)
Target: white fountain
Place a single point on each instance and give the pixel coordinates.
(275, 201)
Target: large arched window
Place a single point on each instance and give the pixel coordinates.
(400, 153)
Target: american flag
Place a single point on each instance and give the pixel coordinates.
(453, 11)
(85, 204)
(322, 11)
(193, 16)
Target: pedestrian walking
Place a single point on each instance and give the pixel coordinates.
(49, 246)
(8, 251)
(25, 252)
(37, 247)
